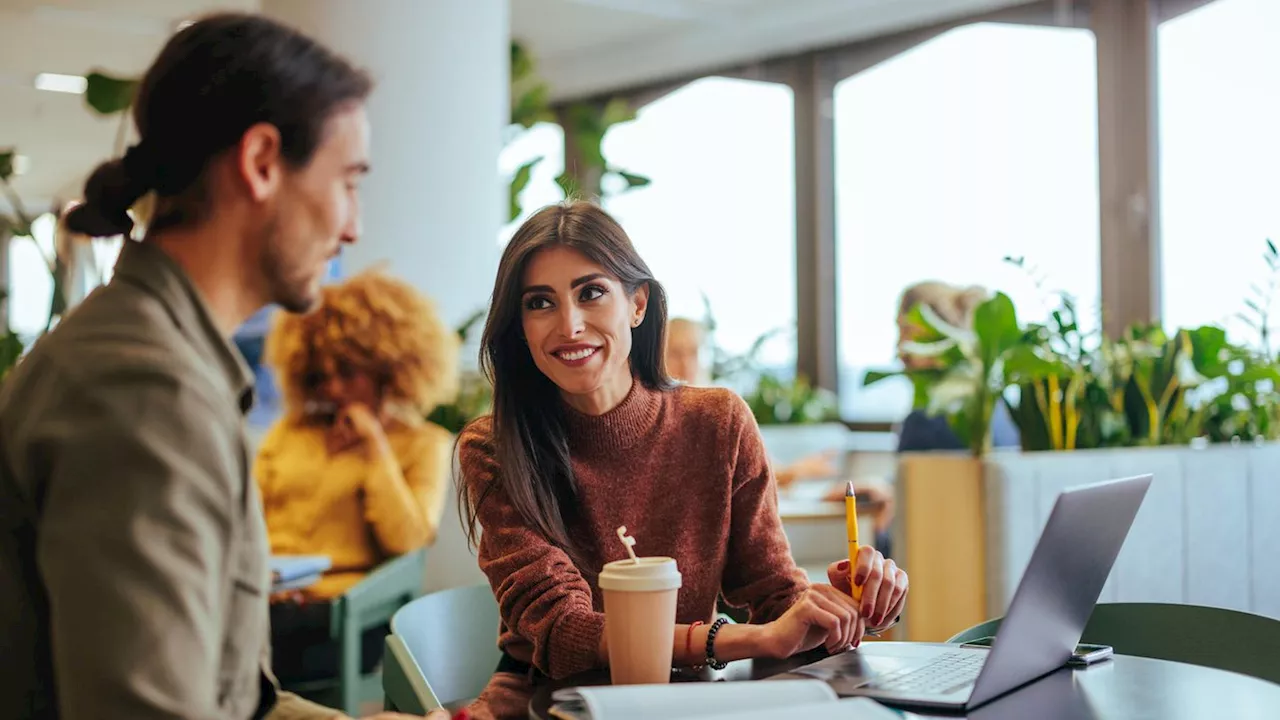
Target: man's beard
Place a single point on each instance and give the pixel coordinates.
(287, 286)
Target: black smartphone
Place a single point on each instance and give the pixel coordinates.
(1085, 654)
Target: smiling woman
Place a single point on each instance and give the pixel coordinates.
(589, 433)
(566, 267)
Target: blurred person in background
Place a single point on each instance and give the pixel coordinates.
(683, 350)
(352, 470)
(686, 339)
(954, 305)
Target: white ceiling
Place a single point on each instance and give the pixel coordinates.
(591, 46)
(583, 47)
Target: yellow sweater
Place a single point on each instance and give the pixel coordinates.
(354, 507)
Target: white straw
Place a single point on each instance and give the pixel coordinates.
(629, 542)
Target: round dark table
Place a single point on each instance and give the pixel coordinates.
(1123, 688)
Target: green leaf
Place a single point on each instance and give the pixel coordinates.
(633, 180)
(518, 183)
(1023, 364)
(935, 323)
(1209, 350)
(922, 382)
(875, 376)
(922, 331)
(996, 324)
(6, 163)
(109, 95)
(956, 389)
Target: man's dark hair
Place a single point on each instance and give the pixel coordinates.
(213, 81)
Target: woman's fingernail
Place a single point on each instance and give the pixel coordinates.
(866, 610)
(462, 714)
(842, 565)
(859, 579)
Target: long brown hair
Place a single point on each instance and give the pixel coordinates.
(530, 439)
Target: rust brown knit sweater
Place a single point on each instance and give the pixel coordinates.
(686, 472)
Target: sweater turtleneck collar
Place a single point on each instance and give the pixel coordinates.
(618, 429)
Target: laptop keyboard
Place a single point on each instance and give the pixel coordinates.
(946, 673)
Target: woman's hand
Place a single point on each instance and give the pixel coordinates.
(354, 425)
(362, 421)
(884, 585)
(823, 616)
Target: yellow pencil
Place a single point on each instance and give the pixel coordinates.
(851, 528)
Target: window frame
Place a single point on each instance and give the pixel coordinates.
(1128, 130)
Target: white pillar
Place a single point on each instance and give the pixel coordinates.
(433, 205)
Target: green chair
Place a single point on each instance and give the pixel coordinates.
(442, 650)
(368, 604)
(1210, 637)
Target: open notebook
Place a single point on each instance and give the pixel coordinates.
(769, 699)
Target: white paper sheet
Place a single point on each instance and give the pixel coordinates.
(716, 701)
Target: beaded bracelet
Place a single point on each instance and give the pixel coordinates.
(712, 662)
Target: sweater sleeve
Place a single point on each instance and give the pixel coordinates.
(761, 572)
(404, 495)
(542, 597)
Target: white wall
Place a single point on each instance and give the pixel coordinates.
(434, 202)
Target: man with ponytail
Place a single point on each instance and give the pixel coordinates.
(133, 580)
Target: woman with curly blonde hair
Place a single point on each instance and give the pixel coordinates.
(352, 471)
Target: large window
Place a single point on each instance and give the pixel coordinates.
(719, 217)
(1219, 100)
(977, 145)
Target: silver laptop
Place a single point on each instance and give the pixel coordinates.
(1054, 600)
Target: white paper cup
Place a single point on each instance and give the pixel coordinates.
(640, 618)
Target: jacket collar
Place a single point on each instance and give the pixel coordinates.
(153, 270)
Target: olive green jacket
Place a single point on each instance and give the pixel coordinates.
(133, 553)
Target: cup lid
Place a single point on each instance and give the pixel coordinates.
(650, 574)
